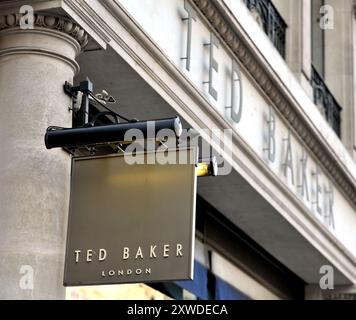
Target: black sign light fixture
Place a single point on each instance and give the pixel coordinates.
(107, 134)
(87, 137)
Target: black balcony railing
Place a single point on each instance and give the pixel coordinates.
(272, 22)
(323, 97)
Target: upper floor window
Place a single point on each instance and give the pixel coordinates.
(325, 100)
(323, 97)
(271, 22)
(318, 38)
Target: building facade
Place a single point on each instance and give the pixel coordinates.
(279, 221)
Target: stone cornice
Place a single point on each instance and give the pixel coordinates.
(257, 70)
(47, 21)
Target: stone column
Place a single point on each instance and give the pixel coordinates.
(34, 182)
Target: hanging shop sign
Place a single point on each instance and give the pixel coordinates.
(130, 221)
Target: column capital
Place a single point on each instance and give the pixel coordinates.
(47, 21)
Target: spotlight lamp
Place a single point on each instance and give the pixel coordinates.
(71, 138)
(207, 168)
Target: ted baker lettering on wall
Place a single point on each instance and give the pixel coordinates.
(317, 196)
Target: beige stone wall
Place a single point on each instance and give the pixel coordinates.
(354, 86)
(339, 51)
(291, 12)
(339, 64)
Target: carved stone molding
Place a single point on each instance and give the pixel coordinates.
(49, 22)
(266, 82)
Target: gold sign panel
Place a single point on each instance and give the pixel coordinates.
(130, 222)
